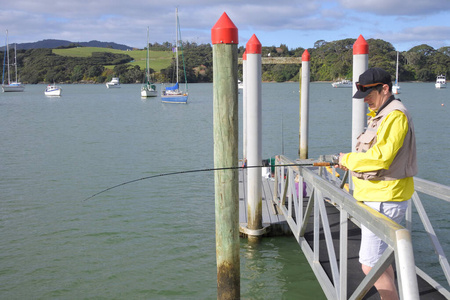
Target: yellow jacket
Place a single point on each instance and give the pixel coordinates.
(390, 136)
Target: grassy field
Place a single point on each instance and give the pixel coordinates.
(158, 59)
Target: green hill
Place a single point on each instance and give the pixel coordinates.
(329, 61)
(158, 59)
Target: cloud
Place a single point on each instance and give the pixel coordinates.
(297, 24)
(425, 34)
(397, 7)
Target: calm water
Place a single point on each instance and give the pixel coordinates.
(154, 239)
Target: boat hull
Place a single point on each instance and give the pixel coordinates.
(440, 85)
(13, 88)
(395, 89)
(145, 93)
(149, 90)
(55, 92)
(174, 98)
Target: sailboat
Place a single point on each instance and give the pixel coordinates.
(396, 87)
(13, 86)
(174, 94)
(148, 89)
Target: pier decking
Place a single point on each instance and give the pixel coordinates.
(314, 235)
(271, 217)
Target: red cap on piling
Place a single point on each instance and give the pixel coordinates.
(244, 56)
(253, 46)
(224, 31)
(360, 46)
(306, 56)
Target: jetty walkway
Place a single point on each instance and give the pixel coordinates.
(326, 224)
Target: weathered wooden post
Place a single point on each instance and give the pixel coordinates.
(254, 137)
(224, 36)
(304, 105)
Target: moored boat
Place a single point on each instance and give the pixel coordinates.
(148, 89)
(114, 83)
(396, 86)
(53, 90)
(440, 82)
(173, 94)
(13, 87)
(10, 86)
(342, 84)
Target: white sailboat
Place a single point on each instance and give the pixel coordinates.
(396, 86)
(148, 89)
(10, 86)
(174, 94)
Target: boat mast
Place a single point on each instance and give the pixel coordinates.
(15, 59)
(7, 54)
(396, 71)
(148, 58)
(3, 74)
(176, 43)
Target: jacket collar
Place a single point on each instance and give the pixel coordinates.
(389, 100)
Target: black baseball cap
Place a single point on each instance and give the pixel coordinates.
(369, 80)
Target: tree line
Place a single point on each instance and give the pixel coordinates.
(329, 61)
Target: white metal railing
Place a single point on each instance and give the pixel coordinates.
(324, 187)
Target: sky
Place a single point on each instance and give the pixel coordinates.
(294, 23)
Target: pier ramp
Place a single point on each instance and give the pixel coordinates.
(326, 224)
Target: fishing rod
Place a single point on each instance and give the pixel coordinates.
(311, 164)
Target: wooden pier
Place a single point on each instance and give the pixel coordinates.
(271, 217)
(312, 236)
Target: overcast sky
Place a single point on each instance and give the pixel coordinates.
(403, 23)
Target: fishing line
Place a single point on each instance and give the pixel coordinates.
(319, 164)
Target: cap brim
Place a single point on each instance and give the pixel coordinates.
(361, 95)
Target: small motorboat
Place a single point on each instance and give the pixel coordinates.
(53, 90)
(440, 82)
(114, 83)
(342, 84)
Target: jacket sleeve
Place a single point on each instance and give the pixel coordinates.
(390, 136)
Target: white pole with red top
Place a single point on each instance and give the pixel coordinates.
(244, 106)
(254, 137)
(360, 65)
(304, 105)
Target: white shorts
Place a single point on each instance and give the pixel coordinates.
(372, 247)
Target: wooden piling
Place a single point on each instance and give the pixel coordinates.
(224, 37)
